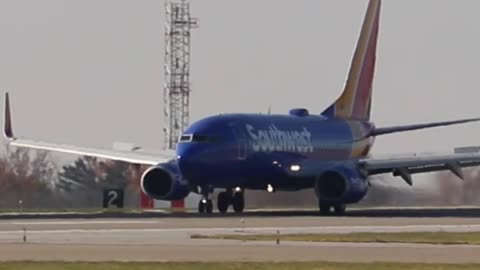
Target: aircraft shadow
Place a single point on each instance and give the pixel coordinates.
(356, 213)
(353, 213)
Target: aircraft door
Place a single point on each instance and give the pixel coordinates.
(241, 141)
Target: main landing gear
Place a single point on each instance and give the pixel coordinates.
(325, 208)
(229, 197)
(235, 198)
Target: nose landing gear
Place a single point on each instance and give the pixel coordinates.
(205, 205)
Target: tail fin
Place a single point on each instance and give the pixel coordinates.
(355, 101)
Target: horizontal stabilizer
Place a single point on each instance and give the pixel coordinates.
(395, 129)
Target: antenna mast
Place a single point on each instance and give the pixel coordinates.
(177, 69)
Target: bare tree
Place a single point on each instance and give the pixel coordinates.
(82, 183)
(26, 177)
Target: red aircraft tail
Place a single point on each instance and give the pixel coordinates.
(355, 101)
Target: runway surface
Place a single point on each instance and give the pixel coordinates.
(167, 238)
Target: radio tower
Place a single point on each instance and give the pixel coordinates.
(177, 69)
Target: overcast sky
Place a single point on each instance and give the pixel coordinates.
(90, 72)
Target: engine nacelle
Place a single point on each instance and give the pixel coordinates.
(341, 185)
(165, 182)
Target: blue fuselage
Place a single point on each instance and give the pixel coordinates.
(251, 151)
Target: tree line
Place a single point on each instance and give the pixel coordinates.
(31, 179)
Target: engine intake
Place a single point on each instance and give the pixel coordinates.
(165, 182)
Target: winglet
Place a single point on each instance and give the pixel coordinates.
(7, 129)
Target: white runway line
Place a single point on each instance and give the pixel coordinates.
(81, 222)
(283, 230)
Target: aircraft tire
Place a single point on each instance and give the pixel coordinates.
(340, 209)
(223, 201)
(205, 207)
(201, 207)
(209, 207)
(238, 202)
(324, 208)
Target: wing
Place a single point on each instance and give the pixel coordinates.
(406, 166)
(403, 167)
(125, 156)
(396, 129)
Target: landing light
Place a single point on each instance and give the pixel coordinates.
(295, 168)
(270, 188)
(204, 201)
(238, 189)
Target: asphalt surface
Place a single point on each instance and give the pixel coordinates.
(411, 212)
(167, 237)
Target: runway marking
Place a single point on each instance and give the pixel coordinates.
(81, 222)
(326, 229)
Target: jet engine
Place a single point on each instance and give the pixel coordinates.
(165, 182)
(341, 185)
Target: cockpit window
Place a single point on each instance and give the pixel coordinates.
(185, 138)
(200, 138)
(195, 138)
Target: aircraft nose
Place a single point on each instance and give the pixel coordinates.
(187, 157)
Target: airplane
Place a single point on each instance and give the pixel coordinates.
(327, 152)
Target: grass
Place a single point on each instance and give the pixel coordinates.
(231, 266)
(444, 238)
